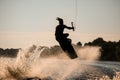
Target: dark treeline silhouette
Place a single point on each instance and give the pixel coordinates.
(110, 51)
(8, 52)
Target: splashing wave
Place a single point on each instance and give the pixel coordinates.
(53, 64)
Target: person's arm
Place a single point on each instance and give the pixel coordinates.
(69, 27)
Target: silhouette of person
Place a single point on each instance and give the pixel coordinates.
(59, 31)
(61, 37)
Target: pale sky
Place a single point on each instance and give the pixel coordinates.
(27, 22)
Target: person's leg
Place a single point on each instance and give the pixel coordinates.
(66, 35)
(69, 40)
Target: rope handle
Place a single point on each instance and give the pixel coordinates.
(73, 26)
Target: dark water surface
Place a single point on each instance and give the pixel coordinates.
(29, 64)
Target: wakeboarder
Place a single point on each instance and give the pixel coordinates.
(62, 38)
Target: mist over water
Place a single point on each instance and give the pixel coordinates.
(53, 64)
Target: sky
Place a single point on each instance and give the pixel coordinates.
(28, 22)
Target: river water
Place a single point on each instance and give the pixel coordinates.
(36, 62)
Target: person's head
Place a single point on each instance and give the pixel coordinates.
(60, 20)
